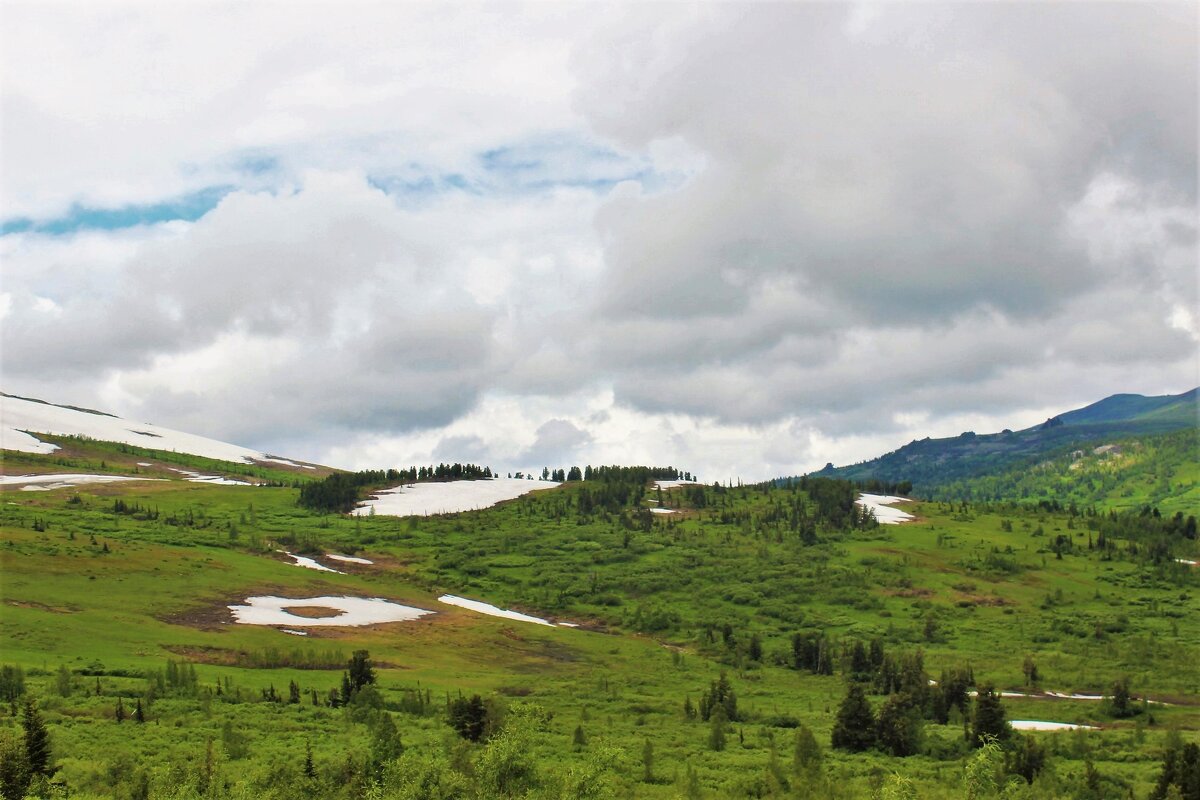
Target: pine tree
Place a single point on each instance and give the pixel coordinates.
(14, 770)
(716, 731)
(989, 719)
(310, 771)
(37, 741)
(899, 727)
(647, 762)
(854, 728)
(806, 758)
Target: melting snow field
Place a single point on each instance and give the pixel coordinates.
(308, 563)
(672, 484)
(662, 511)
(423, 499)
(349, 559)
(352, 611)
(62, 480)
(196, 477)
(881, 505)
(20, 416)
(489, 609)
(1040, 725)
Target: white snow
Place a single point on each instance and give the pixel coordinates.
(293, 633)
(662, 511)
(672, 484)
(196, 477)
(25, 415)
(489, 609)
(422, 499)
(1189, 562)
(1063, 696)
(881, 505)
(1041, 725)
(352, 611)
(62, 480)
(308, 563)
(144, 464)
(349, 559)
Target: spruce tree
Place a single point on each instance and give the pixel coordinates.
(989, 719)
(37, 741)
(854, 728)
(647, 762)
(120, 713)
(806, 758)
(139, 716)
(14, 771)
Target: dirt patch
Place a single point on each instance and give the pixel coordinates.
(42, 606)
(912, 592)
(982, 600)
(315, 612)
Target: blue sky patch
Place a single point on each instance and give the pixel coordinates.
(189, 208)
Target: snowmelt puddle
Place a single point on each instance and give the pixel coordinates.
(490, 610)
(349, 559)
(1042, 725)
(351, 611)
(309, 563)
(881, 505)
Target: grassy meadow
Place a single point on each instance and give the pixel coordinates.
(117, 595)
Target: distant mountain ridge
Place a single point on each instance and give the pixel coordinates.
(933, 463)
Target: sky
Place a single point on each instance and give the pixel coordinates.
(740, 239)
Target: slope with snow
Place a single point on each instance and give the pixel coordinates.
(882, 504)
(20, 417)
(423, 499)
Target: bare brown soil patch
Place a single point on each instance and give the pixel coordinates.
(42, 606)
(314, 612)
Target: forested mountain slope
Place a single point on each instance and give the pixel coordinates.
(934, 465)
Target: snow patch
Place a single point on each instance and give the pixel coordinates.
(293, 633)
(490, 610)
(309, 563)
(62, 480)
(20, 416)
(196, 477)
(881, 505)
(349, 559)
(352, 611)
(1042, 725)
(673, 484)
(423, 499)
(662, 511)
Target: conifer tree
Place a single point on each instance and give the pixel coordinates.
(139, 716)
(14, 771)
(989, 719)
(854, 728)
(648, 762)
(120, 713)
(37, 741)
(806, 758)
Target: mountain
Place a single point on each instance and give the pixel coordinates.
(934, 464)
(23, 418)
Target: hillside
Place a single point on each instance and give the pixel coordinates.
(933, 465)
(203, 639)
(23, 418)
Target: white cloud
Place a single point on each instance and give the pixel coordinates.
(742, 239)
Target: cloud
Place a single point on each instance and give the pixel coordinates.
(742, 239)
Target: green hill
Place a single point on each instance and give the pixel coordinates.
(933, 466)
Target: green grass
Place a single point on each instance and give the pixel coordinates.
(654, 603)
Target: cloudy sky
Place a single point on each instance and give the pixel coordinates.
(740, 239)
